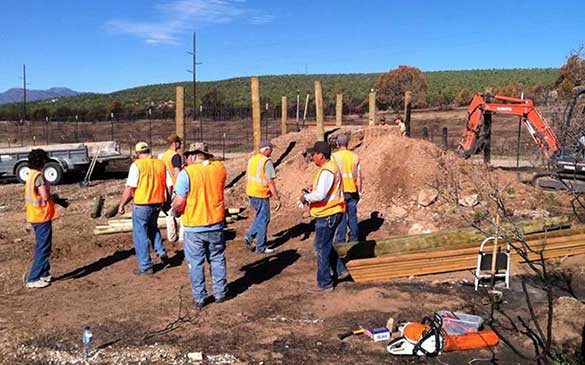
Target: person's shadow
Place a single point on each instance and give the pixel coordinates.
(370, 225)
(262, 270)
(98, 265)
(302, 230)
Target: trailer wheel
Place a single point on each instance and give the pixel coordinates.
(22, 172)
(53, 173)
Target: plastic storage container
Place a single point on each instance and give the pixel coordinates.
(458, 323)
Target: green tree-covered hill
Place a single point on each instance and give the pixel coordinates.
(235, 93)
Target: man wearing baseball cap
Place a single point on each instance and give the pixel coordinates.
(147, 183)
(260, 187)
(327, 205)
(199, 197)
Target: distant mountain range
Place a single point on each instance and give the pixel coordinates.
(14, 95)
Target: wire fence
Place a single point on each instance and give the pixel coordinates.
(225, 130)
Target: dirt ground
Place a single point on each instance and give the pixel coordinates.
(272, 319)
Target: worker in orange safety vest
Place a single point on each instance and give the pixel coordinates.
(326, 205)
(199, 197)
(40, 212)
(149, 183)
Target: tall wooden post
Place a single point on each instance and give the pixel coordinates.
(372, 117)
(256, 111)
(339, 110)
(284, 115)
(407, 109)
(319, 110)
(180, 113)
(487, 131)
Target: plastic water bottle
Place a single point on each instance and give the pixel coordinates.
(87, 340)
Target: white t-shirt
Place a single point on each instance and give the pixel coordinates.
(134, 173)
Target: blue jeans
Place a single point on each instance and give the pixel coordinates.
(326, 257)
(260, 225)
(349, 218)
(43, 243)
(211, 246)
(145, 228)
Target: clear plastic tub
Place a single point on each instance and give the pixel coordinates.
(458, 323)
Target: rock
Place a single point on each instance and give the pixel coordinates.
(427, 197)
(531, 213)
(420, 228)
(567, 325)
(469, 200)
(195, 356)
(397, 212)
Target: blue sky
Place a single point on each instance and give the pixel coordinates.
(108, 45)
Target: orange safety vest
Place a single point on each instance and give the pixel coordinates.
(257, 182)
(152, 181)
(38, 210)
(205, 205)
(334, 202)
(347, 162)
(167, 158)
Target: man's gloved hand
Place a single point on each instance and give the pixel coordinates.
(64, 202)
(277, 205)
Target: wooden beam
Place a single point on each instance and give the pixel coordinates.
(443, 239)
(407, 111)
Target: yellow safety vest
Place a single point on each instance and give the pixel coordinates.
(167, 158)
(257, 182)
(152, 181)
(38, 210)
(205, 205)
(347, 162)
(334, 202)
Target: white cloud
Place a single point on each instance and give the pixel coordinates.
(180, 16)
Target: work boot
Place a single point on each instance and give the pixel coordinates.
(318, 290)
(225, 298)
(343, 276)
(47, 278)
(202, 304)
(143, 272)
(37, 284)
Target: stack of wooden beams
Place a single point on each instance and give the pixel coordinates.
(558, 244)
(124, 222)
(447, 251)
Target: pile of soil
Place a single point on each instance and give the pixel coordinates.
(395, 170)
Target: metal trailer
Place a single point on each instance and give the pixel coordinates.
(64, 158)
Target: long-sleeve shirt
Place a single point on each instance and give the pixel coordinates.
(324, 184)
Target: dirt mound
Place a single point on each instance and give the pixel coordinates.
(394, 169)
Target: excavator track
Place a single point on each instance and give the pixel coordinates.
(560, 181)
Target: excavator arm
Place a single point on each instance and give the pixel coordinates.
(540, 130)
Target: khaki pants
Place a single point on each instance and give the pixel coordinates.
(171, 220)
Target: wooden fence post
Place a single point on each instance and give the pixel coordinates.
(180, 114)
(284, 115)
(372, 99)
(319, 110)
(256, 111)
(339, 110)
(407, 110)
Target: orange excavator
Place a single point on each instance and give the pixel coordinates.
(569, 162)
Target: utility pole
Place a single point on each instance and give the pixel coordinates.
(24, 93)
(194, 72)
